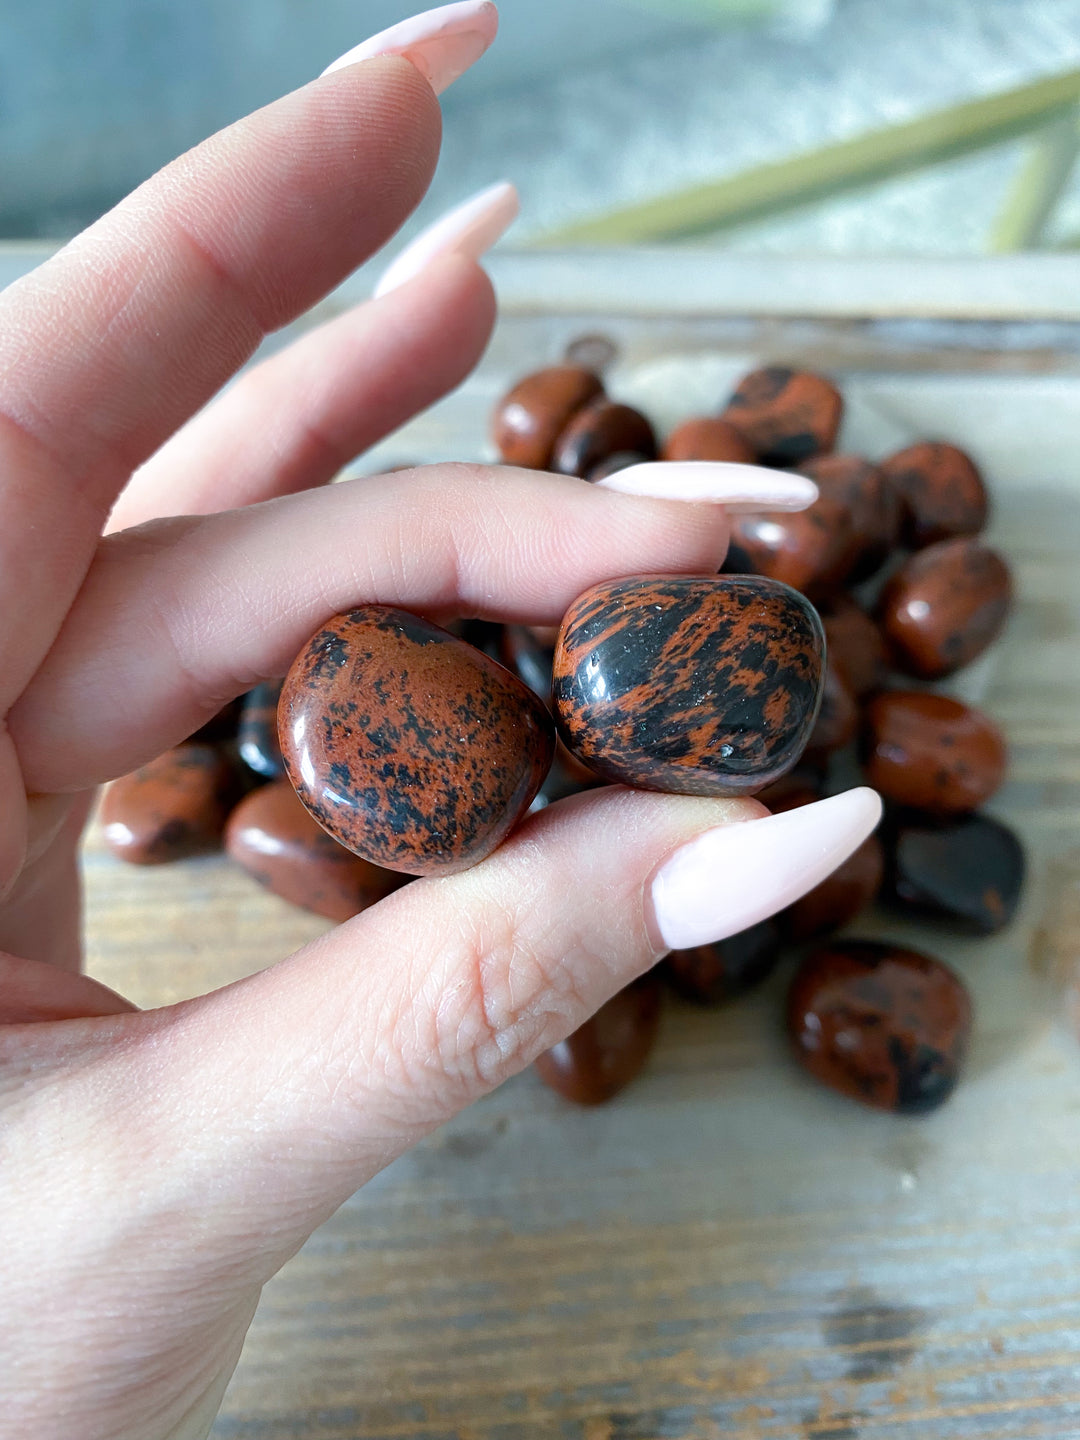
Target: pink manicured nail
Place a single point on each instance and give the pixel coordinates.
(441, 43)
(737, 875)
(716, 482)
(470, 230)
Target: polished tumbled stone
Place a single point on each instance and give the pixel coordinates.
(414, 750)
(698, 685)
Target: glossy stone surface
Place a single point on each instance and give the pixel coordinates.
(171, 808)
(621, 460)
(838, 719)
(944, 606)
(856, 646)
(699, 685)
(871, 501)
(812, 550)
(839, 899)
(413, 749)
(941, 490)
(602, 429)
(785, 415)
(717, 974)
(594, 1063)
(256, 736)
(533, 414)
(273, 838)
(880, 1024)
(968, 874)
(929, 752)
(708, 438)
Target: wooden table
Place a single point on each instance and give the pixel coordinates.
(725, 1250)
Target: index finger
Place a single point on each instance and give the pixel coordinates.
(108, 347)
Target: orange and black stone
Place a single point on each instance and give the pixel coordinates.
(930, 752)
(880, 1024)
(416, 751)
(785, 415)
(941, 490)
(696, 685)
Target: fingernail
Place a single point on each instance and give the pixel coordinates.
(737, 875)
(470, 229)
(740, 487)
(441, 43)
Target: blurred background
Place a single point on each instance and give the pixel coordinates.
(801, 126)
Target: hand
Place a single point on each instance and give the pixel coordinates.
(158, 1168)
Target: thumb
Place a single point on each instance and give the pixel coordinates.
(293, 1087)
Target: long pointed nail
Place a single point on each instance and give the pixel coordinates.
(740, 487)
(737, 875)
(441, 43)
(471, 229)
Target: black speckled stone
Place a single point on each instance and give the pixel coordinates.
(968, 874)
(697, 685)
(411, 748)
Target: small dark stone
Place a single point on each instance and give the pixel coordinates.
(708, 438)
(941, 490)
(880, 1024)
(411, 748)
(601, 1058)
(968, 874)
(273, 838)
(257, 737)
(699, 685)
(601, 429)
(871, 501)
(533, 414)
(786, 416)
(944, 606)
(811, 550)
(929, 752)
(715, 974)
(855, 646)
(621, 460)
(841, 898)
(171, 808)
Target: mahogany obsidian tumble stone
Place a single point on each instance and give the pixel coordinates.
(812, 550)
(273, 838)
(533, 414)
(608, 1051)
(883, 1025)
(698, 685)
(871, 501)
(944, 606)
(171, 808)
(708, 438)
(941, 490)
(855, 646)
(256, 737)
(929, 752)
(848, 890)
(715, 974)
(413, 749)
(785, 415)
(969, 873)
(603, 428)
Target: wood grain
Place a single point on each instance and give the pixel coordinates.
(725, 1251)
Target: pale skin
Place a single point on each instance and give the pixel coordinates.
(159, 1167)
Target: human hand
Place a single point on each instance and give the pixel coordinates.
(159, 1167)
